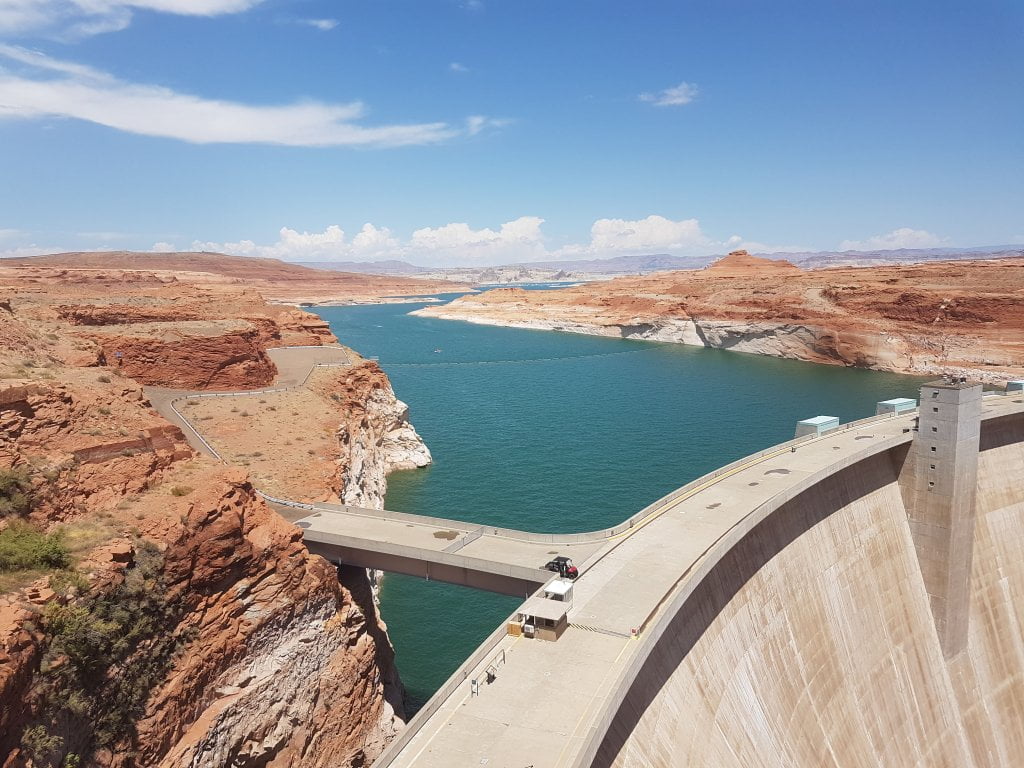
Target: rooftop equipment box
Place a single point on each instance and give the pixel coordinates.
(817, 425)
(896, 405)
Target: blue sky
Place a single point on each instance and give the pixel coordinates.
(457, 132)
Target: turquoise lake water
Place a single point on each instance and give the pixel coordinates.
(549, 431)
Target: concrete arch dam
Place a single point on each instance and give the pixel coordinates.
(854, 599)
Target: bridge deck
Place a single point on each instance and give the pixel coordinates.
(366, 536)
(551, 696)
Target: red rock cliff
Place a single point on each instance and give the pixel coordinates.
(280, 659)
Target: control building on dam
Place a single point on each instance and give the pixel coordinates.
(854, 598)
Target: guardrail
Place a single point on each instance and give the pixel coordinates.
(585, 536)
(457, 678)
(252, 393)
(462, 541)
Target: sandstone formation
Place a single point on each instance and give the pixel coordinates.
(376, 438)
(161, 331)
(266, 655)
(275, 280)
(960, 316)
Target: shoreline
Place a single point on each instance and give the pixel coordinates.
(789, 341)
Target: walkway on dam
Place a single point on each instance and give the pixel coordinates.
(549, 703)
(484, 557)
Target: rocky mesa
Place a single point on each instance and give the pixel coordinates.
(965, 316)
(154, 611)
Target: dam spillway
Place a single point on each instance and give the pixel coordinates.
(797, 631)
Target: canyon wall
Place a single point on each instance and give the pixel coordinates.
(244, 649)
(965, 316)
(375, 437)
(813, 642)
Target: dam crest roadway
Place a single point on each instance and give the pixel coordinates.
(575, 701)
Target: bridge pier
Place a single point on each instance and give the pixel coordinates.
(938, 483)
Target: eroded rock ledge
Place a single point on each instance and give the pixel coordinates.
(922, 319)
(281, 659)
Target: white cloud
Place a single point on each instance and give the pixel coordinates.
(904, 237)
(457, 67)
(23, 251)
(517, 240)
(457, 243)
(650, 234)
(681, 94)
(70, 90)
(372, 241)
(477, 123)
(324, 25)
(80, 18)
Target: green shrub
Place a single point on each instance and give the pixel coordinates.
(105, 653)
(104, 379)
(181, 490)
(15, 492)
(23, 548)
(40, 745)
(64, 581)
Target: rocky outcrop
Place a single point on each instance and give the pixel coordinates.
(296, 328)
(209, 355)
(958, 317)
(289, 665)
(83, 463)
(281, 659)
(375, 437)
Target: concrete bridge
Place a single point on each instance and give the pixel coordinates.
(484, 557)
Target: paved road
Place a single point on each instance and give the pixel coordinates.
(294, 365)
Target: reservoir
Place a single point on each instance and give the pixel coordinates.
(548, 431)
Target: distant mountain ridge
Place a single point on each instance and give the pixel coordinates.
(567, 269)
(655, 262)
(384, 267)
(820, 259)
